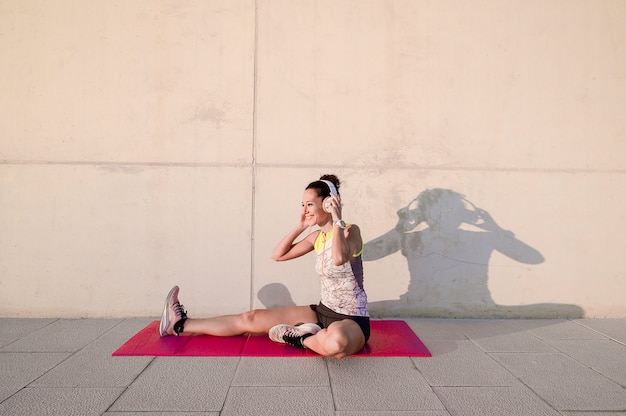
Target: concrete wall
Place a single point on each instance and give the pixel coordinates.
(150, 143)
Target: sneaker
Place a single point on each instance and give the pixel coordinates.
(293, 334)
(174, 315)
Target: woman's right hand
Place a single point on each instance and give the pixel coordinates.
(288, 248)
(302, 222)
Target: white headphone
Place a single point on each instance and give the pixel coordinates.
(333, 191)
(331, 185)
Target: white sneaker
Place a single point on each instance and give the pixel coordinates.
(293, 334)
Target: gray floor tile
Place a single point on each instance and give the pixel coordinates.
(392, 413)
(19, 369)
(127, 328)
(604, 356)
(12, 329)
(380, 384)
(593, 413)
(63, 335)
(93, 366)
(182, 384)
(503, 336)
(438, 347)
(463, 365)
(281, 371)
(54, 402)
(493, 401)
(273, 401)
(427, 329)
(564, 383)
(613, 328)
(557, 329)
(161, 414)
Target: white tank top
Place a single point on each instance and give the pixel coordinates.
(342, 286)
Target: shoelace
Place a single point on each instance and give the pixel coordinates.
(179, 310)
(293, 337)
(181, 314)
(293, 332)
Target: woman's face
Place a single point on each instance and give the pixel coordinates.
(312, 208)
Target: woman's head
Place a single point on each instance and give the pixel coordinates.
(313, 199)
(325, 186)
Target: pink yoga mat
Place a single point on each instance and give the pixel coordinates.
(389, 338)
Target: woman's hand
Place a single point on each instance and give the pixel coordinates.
(288, 248)
(333, 205)
(302, 222)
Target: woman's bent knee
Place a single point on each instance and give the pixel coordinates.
(248, 321)
(248, 316)
(336, 345)
(345, 338)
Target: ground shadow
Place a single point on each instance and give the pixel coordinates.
(448, 242)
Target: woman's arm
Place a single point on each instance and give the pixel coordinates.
(287, 249)
(346, 243)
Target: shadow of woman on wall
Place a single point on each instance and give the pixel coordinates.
(448, 242)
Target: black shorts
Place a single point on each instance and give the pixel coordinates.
(326, 316)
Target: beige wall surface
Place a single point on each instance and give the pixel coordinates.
(145, 144)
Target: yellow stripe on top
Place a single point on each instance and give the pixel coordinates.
(361, 250)
(323, 237)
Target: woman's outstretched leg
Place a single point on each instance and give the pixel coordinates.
(174, 320)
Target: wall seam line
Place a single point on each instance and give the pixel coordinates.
(254, 165)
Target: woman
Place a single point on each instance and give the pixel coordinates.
(339, 325)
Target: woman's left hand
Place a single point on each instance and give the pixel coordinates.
(334, 206)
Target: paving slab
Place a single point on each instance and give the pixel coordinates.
(564, 383)
(613, 328)
(272, 401)
(59, 401)
(557, 329)
(20, 369)
(503, 336)
(463, 365)
(438, 328)
(93, 366)
(125, 329)
(63, 335)
(161, 413)
(604, 356)
(12, 329)
(392, 413)
(281, 371)
(375, 384)
(593, 413)
(183, 384)
(489, 401)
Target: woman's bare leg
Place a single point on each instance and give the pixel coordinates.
(255, 321)
(175, 321)
(340, 339)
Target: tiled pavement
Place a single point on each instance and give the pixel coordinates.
(479, 367)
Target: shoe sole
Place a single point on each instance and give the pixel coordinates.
(165, 317)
